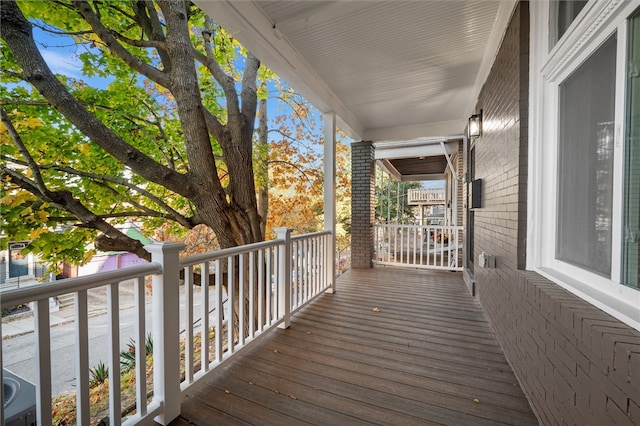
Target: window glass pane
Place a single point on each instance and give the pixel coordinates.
(563, 13)
(631, 253)
(585, 162)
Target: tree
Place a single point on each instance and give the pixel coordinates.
(391, 200)
(155, 143)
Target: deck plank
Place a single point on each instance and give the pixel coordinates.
(427, 356)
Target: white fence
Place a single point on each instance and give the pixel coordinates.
(425, 196)
(255, 289)
(427, 247)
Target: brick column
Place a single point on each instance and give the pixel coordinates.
(362, 204)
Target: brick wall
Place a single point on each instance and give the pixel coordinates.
(362, 204)
(576, 364)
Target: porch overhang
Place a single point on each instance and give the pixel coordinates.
(389, 70)
(422, 159)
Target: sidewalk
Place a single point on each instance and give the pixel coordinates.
(23, 323)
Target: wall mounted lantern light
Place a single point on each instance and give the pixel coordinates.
(474, 129)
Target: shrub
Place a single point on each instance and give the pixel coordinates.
(128, 355)
(98, 374)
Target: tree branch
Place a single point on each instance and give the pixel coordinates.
(16, 31)
(139, 43)
(64, 200)
(225, 81)
(150, 23)
(109, 39)
(31, 163)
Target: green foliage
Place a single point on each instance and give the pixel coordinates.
(134, 107)
(98, 374)
(391, 200)
(128, 355)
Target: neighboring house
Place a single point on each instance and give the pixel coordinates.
(17, 267)
(549, 187)
(110, 261)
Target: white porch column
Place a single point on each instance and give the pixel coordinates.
(330, 194)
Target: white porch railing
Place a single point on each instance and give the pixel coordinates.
(425, 196)
(427, 247)
(255, 289)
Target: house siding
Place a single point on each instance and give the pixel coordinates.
(576, 364)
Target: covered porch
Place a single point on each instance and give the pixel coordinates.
(391, 346)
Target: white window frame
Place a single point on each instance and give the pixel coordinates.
(598, 20)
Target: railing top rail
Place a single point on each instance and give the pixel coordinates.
(311, 235)
(69, 285)
(219, 254)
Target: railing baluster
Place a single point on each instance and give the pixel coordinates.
(294, 272)
(219, 314)
(82, 360)
(241, 299)
(204, 312)
(275, 285)
(252, 290)
(268, 288)
(43, 358)
(113, 314)
(261, 297)
(188, 324)
(314, 265)
(231, 302)
(141, 348)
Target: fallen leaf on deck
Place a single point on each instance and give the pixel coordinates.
(477, 401)
(227, 391)
(376, 309)
(292, 397)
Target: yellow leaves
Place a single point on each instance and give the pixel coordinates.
(30, 122)
(36, 233)
(376, 309)
(476, 401)
(42, 215)
(88, 255)
(16, 199)
(85, 149)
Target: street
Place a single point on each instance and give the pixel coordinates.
(18, 352)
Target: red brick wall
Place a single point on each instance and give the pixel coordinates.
(576, 364)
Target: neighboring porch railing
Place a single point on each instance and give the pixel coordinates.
(425, 196)
(250, 290)
(428, 246)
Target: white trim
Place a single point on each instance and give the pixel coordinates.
(594, 25)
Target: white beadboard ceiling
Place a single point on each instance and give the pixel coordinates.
(391, 70)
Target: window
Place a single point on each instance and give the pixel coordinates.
(563, 13)
(584, 146)
(585, 162)
(631, 252)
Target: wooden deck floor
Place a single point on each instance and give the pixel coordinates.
(427, 356)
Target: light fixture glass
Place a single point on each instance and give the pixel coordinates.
(474, 128)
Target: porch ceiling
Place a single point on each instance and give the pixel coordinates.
(390, 70)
